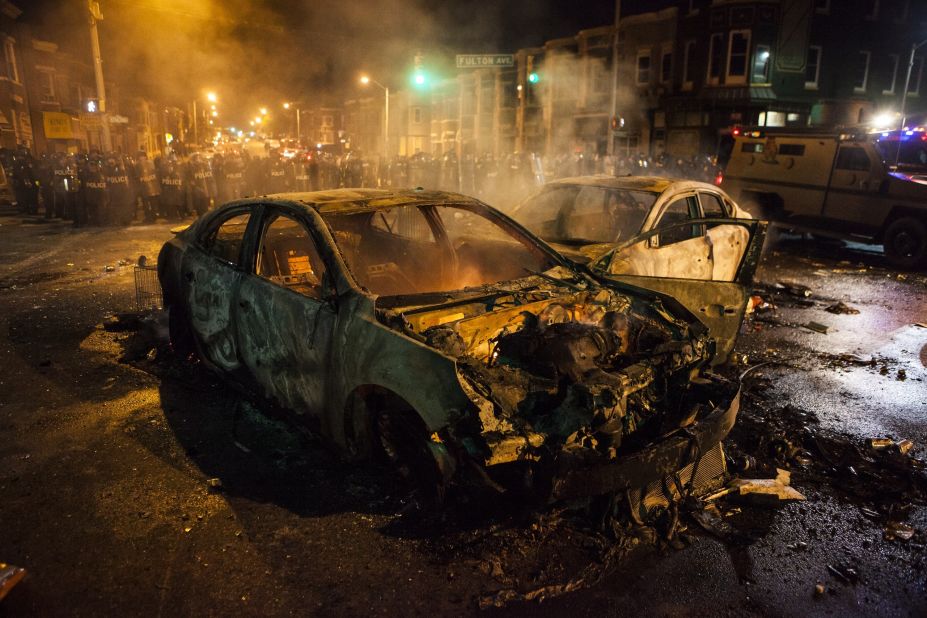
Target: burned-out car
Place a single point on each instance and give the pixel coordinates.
(430, 329)
(638, 220)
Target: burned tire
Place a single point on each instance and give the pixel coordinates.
(181, 336)
(905, 242)
(402, 440)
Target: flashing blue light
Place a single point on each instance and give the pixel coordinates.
(885, 134)
(909, 133)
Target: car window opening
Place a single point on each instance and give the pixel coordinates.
(419, 249)
(583, 215)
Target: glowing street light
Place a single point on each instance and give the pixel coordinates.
(214, 113)
(294, 105)
(258, 120)
(211, 97)
(263, 111)
(365, 80)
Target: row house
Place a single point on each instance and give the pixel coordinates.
(789, 63)
(15, 121)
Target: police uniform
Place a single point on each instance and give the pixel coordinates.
(149, 188)
(119, 193)
(173, 189)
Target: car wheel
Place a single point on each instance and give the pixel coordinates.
(905, 242)
(403, 443)
(181, 336)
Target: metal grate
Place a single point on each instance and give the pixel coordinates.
(147, 288)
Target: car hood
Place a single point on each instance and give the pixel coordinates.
(588, 363)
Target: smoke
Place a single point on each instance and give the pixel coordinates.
(262, 53)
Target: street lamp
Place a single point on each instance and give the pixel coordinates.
(295, 105)
(212, 98)
(365, 80)
(263, 111)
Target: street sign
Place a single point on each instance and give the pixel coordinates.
(481, 61)
(57, 125)
(90, 122)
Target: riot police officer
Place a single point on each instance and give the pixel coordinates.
(93, 188)
(23, 181)
(149, 188)
(46, 177)
(173, 189)
(201, 184)
(63, 207)
(233, 178)
(276, 177)
(72, 186)
(119, 193)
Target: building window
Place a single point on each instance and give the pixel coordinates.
(822, 7)
(862, 72)
(416, 115)
(715, 57)
(47, 86)
(643, 68)
(9, 53)
(688, 65)
(666, 66)
(737, 56)
(761, 65)
(892, 73)
(914, 86)
(872, 9)
(813, 68)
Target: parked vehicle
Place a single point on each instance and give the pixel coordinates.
(434, 331)
(640, 216)
(832, 185)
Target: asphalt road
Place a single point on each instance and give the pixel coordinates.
(109, 450)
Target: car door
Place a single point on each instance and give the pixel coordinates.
(211, 276)
(854, 187)
(727, 242)
(719, 305)
(668, 248)
(285, 314)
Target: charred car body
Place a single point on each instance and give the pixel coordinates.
(429, 328)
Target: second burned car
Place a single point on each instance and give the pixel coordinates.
(428, 328)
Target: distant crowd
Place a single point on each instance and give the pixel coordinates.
(100, 189)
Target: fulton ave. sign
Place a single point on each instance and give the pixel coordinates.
(480, 61)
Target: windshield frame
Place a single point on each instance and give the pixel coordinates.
(511, 227)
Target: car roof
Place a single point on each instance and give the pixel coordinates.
(348, 201)
(654, 184)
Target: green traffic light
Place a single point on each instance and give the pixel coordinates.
(534, 78)
(419, 79)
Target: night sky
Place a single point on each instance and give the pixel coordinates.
(255, 53)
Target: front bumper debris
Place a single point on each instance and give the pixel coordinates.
(670, 454)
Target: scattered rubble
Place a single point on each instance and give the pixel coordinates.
(841, 308)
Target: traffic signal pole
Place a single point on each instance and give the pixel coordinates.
(610, 146)
(95, 16)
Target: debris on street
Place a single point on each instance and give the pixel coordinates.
(841, 308)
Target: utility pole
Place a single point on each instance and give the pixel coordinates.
(95, 16)
(610, 146)
(904, 93)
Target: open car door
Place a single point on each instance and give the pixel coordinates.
(719, 305)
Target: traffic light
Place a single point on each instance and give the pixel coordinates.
(533, 77)
(91, 105)
(419, 79)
